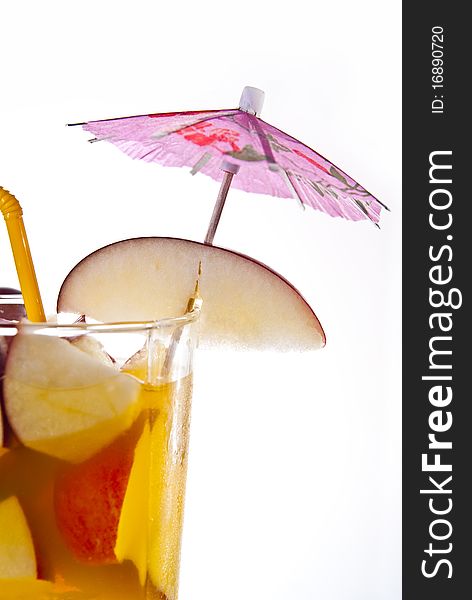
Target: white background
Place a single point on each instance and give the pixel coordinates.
(294, 477)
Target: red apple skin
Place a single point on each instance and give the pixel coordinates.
(88, 499)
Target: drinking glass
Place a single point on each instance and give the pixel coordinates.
(94, 458)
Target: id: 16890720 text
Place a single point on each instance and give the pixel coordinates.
(437, 69)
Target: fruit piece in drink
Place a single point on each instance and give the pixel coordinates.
(131, 534)
(159, 467)
(61, 401)
(31, 476)
(17, 556)
(93, 348)
(88, 498)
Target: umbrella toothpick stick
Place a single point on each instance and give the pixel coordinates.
(251, 101)
(230, 170)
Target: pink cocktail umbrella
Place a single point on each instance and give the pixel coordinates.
(235, 146)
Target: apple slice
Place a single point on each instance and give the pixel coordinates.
(131, 531)
(17, 557)
(93, 348)
(246, 304)
(150, 525)
(88, 499)
(61, 401)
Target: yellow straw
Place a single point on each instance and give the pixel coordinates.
(13, 214)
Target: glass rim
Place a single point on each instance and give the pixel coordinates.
(13, 327)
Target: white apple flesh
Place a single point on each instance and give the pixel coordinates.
(245, 303)
(61, 401)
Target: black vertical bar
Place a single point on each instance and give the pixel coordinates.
(437, 553)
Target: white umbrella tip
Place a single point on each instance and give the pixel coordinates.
(229, 167)
(252, 100)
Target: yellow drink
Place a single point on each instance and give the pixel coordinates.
(107, 527)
